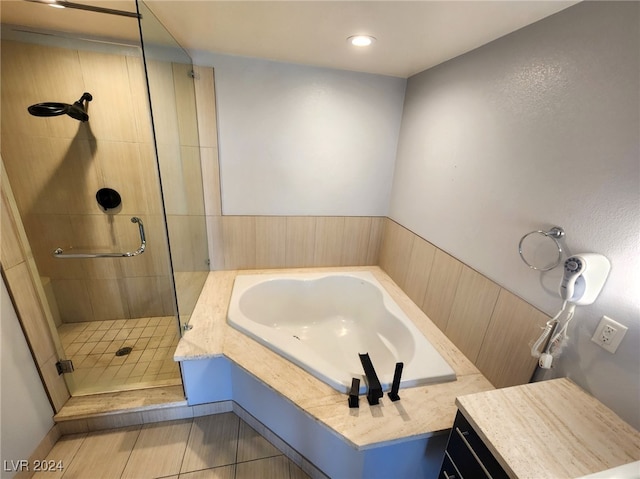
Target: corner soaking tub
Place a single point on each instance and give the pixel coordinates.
(322, 321)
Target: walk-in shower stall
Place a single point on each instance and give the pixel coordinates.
(100, 147)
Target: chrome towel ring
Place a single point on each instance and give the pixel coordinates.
(554, 234)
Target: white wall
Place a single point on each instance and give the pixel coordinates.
(25, 413)
(539, 128)
(301, 140)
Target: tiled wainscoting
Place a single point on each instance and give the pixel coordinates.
(92, 347)
(484, 320)
(261, 242)
(487, 322)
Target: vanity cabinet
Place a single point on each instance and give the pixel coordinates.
(466, 456)
(544, 430)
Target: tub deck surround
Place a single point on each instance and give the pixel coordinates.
(422, 411)
(550, 429)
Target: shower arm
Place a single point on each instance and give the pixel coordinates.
(59, 253)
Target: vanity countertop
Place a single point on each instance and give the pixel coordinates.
(550, 429)
(421, 412)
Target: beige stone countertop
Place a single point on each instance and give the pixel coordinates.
(550, 429)
(422, 411)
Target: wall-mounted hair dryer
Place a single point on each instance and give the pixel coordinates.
(583, 279)
(584, 276)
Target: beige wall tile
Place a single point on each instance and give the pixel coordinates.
(140, 99)
(216, 242)
(185, 104)
(419, 269)
(211, 181)
(34, 74)
(20, 88)
(375, 240)
(239, 236)
(441, 290)
(155, 259)
(73, 300)
(300, 242)
(163, 99)
(355, 241)
(106, 77)
(471, 312)
(108, 298)
(206, 104)
(149, 175)
(395, 251)
(88, 234)
(30, 164)
(12, 251)
(173, 191)
(47, 233)
(192, 174)
(72, 186)
(329, 236)
(514, 327)
(50, 175)
(150, 296)
(188, 238)
(271, 233)
(181, 256)
(121, 167)
(29, 311)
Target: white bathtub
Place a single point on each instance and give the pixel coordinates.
(322, 321)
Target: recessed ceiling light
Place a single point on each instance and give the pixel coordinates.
(361, 40)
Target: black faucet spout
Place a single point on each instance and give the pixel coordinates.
(374, 389)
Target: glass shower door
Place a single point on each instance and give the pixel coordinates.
(115, 317)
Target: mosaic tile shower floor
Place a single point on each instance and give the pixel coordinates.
(92, 347)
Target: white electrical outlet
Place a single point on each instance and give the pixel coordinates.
(608, 334)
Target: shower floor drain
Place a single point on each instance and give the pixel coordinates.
(123, 351)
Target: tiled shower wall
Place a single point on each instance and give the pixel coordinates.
(56, 165)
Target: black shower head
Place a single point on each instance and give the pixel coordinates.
(76, 111)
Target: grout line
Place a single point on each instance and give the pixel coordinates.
(184, 452)
(132, 448)
(235, 459)
(66, 466)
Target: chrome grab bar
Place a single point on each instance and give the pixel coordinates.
(59, 253)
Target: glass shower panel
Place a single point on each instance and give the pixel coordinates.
(171, 86)
(115, 317)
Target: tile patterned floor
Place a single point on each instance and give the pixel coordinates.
(92, 347)
(221, 446)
